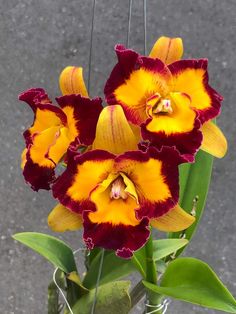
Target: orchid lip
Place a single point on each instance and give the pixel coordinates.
(164, 106)
(118, 189)
(158, 105)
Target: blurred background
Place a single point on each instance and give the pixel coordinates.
(37, 40)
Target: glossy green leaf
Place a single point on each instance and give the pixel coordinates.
(139, 261)
(113, 268)
(54, 250)
(90, 255)
(184, 171)
(194, 182)
(112, 298)
(74, 277)
(192, 280)
(164, 247)
(161, 249)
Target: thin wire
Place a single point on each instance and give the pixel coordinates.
(61, 291)
(129, 23)
(98, 280)
(91, 45)
(58, 287)
(155, 307)
(145, 26)
(158, 307)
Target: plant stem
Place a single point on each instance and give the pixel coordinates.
(72, 292)
(53, 299)
(153, 298)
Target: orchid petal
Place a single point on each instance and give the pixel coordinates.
(175, 220)
(125, 239)
(62, 219)
(214, 141)
(167, 49)
(115, 212)
(82, 114)
(42, 155)
(83, 174)
(155, 178)
(191, 77)
(71, 81)
(133, 81)
(113, 132)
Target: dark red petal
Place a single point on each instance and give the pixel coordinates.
(128, 61)
(33, 96)
(37, 98)
(123, 239)
(186, 143)
(38, 177)
(86, 113)
(166, 154)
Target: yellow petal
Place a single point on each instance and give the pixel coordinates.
(45, 118)
(60, 145)
(214, 141)
(88, 175)
(175, 220)
(167, 49)
(142, 84)
(147, 176)
(62, 219)
(41, 145)
(113, 132)
(49, 146)
(189, 77)
(71, 81)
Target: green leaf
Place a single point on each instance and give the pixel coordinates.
(161, 249)
(54, 250)
(192, 280)
(139, 261)
(113, 268)
(89, 257)
(74, 277)
(194, 182)
(112, 298)
(165, 247)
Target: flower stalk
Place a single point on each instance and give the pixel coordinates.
(53, 299)
(153, 299)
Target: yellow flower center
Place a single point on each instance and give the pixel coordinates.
(116, 201)
(158, 105)
(118, 189)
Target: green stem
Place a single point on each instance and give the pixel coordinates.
(72, 292)
(53, 299)
(153, 298)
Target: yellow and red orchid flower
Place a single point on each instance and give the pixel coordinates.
(170, 50)
(53, 130)
(116, 192)
(170, 98)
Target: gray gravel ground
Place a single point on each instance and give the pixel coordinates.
(39, 38)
